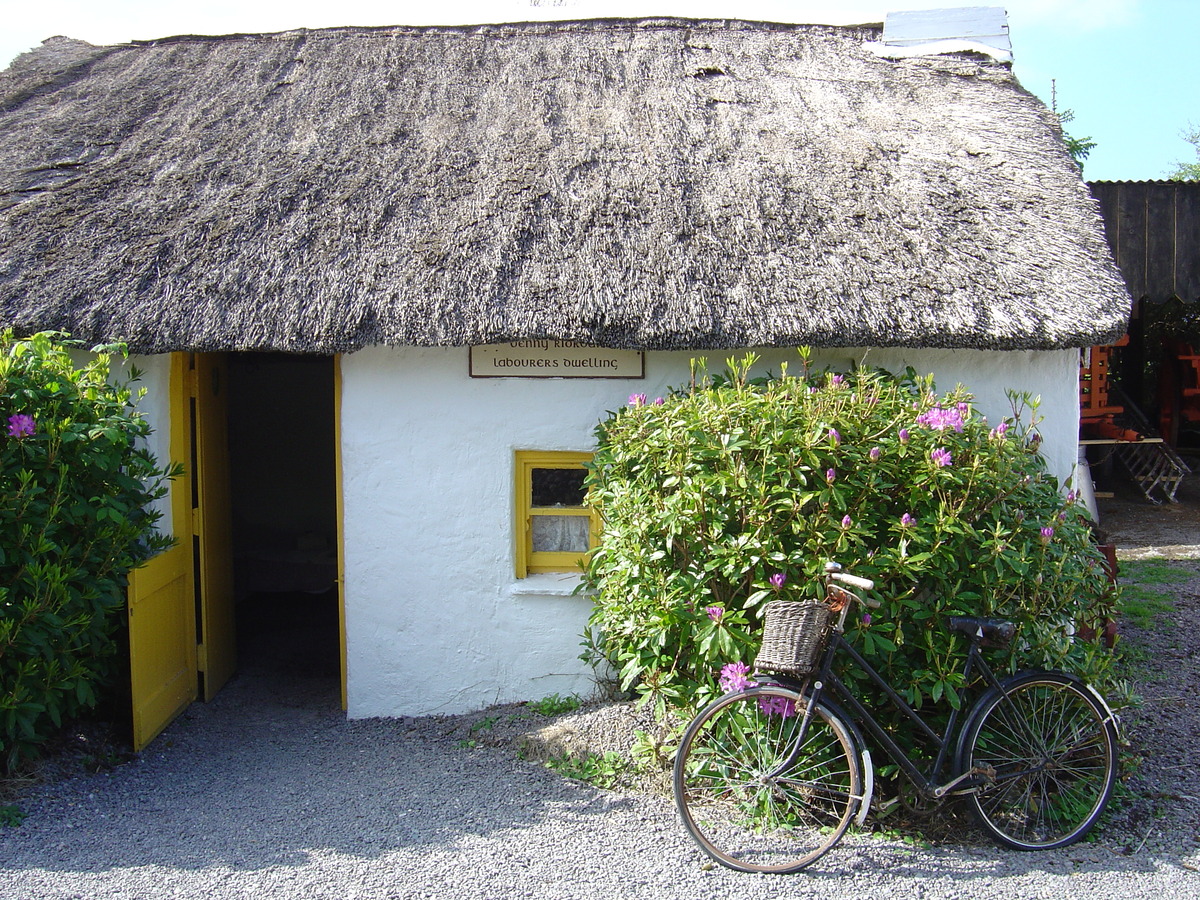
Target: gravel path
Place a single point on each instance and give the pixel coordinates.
(268, 792)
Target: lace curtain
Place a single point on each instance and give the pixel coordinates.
(563, 534)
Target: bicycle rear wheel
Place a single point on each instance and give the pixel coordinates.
(757, 790)
(1052, 746)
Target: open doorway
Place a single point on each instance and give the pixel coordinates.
(282, 475)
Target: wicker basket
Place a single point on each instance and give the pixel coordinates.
(794, 635)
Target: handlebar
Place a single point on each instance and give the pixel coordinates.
(833, 572)
(863, 584)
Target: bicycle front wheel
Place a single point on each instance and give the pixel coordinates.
(760, 789)
(1048, 746)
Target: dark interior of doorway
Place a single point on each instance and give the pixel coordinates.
(284, 514)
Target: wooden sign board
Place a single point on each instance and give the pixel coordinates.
(555, 359)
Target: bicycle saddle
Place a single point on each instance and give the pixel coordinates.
(995, 631)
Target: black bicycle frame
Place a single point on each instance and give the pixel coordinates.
(827, 679)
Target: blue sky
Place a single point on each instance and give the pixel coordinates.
(1125, 67)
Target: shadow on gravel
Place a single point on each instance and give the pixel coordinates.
(269, 773)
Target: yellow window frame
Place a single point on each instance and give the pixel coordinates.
(529, 561)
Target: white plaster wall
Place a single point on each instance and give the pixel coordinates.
(155, 407)
(436, 620)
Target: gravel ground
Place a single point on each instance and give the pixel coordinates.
(268, 792)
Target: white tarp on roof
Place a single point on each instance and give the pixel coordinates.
(930, 32)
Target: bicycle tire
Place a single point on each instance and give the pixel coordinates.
(756, 798)
(1052, 746)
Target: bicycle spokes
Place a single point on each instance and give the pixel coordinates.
(1053, 752)
(760, 787)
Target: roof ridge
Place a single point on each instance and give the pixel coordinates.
(553, 26)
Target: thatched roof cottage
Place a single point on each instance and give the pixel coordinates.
(338, 228)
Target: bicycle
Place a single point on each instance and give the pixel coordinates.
(769, 778)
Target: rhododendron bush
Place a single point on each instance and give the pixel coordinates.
(735, 491)
(77, 484)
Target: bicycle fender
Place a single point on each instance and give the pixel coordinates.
(864, 807)
(864, 755)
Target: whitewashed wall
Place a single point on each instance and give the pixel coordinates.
(155, 407)
(436, 620)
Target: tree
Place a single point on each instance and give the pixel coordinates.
(1189, 171)
(1079, 148)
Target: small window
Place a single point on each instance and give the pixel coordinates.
(555, 528)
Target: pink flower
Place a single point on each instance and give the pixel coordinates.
(866, 618)
(776, 581)
(734, 677)
(907, 521)
(942, 419)
(941, 456)
(20, 425)
(847, 521)
(835, 437)
(637, 399)
(658, 401)
(875, 453)
(777, 706)
(1047, 533)
(830, 476)
(714, 612)
(904, 435)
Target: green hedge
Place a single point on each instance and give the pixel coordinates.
(731, 492)
(76, 481)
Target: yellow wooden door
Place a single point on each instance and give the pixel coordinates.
(162, 606)
(212, 523)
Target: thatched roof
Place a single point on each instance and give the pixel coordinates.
(651, 184)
